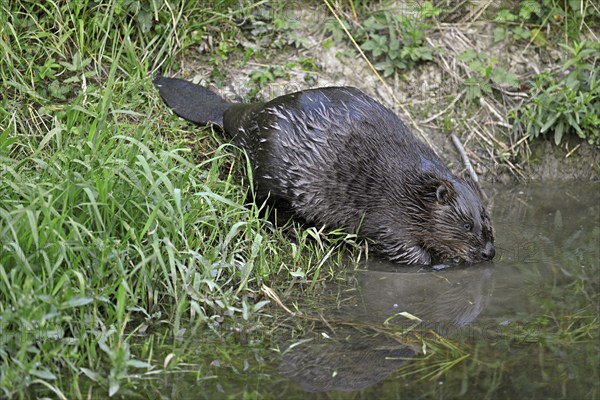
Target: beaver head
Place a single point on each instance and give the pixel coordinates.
(459, 227)
(433, 219)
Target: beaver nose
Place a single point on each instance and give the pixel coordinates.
(489, 252)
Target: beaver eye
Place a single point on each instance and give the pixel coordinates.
(468, 226)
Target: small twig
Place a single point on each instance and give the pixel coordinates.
(464, 156)
(467, 163)
(270, 293)
(484, 102)
(572, 151)
(514, 146)
(456, 7)
(488, 138)
(477, 13)
(513, 94)
(460, 95)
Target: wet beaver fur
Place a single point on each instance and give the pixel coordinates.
(339, 158)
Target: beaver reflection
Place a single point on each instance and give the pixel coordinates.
(340, 159)
(442, 299)
(351, 359)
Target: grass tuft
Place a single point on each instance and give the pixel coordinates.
(108, 225)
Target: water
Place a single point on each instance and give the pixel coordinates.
(524, 326)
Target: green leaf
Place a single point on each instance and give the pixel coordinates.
(503, 77)
(138, 364)
(467, 55)
(549, 123)
(428, 10)
(521, 33)
(380, 66)
(113, 386)
(76, 302)
(43, 374)
(260, 305)
(425, 53)
(576, 5)
(473, 88)
(94, 376)
(558, 133)
(505, 16)
(389, 70)
(528, 7)
(368, 45)
(371, 23)
(500, 34)
(477, 66)
(538, 37)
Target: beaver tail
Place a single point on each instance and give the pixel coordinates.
(192, 102)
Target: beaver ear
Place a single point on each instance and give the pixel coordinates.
(442, 193)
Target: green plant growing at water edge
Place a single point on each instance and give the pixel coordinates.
(565, 105)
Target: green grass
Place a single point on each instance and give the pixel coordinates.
(108, 224)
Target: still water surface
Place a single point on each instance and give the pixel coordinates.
(524, 326)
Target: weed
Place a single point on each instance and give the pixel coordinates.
(565, 105)
(394, 39)
(263, 75)
(103, 220)
(526, 20)
(485, 74)
(273, 27)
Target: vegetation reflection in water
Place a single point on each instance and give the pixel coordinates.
(524, 327)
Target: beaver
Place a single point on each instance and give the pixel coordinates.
(339, 158)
